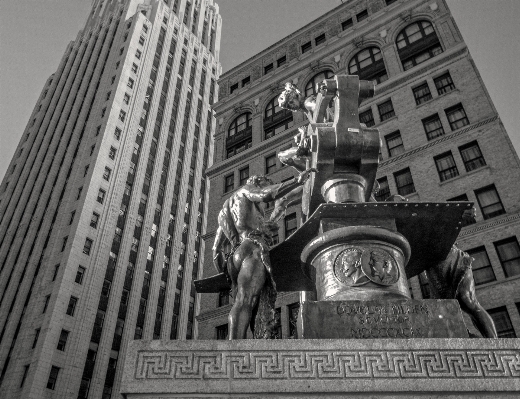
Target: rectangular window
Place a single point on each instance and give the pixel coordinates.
(72, 306)
(122, 115)
(422, 93)
(134, 68)
(229, 183)
(222, 332)
(223, 298)
(444, 83)
(362, 15)
(72, 214)
(459, 198)
(141, 40)
(306, 47)
(138, 54)
(384, 189)
(86, 170)
(88, 246)
(268, 68)
(508, 252)
(126, 98)
(425, 285)
(130, 83)
(117, 133)
(101, 196)
(433, 127)
(108, 95)
(346, 24)
(270, 164)
(482, 269)
(64, 243)
(53, 377)
(56, 268)
(94, 220)
(47, 299)
(244, 175)
(472, 156)
(290, 224)
(386, 110)
(25, 371)
(36, 335)
(404, 182)
(79, 275)
(489, 202)
(320, 39)
(457, 117)
(394, 143)
(446, 166)
(280, 61)
(106, 173)
(246, 81)
(62, 342)
(367, 118)
(502, 322)
(233, 87)
(92, 149)
(112, 153)
(293, 318)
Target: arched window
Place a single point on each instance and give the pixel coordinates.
(310, 88)
(368, 64)
(276, 119)
(242, 122)
(239, 137)
(417, 43)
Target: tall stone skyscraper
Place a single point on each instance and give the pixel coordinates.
(442, 138)
(101, 209)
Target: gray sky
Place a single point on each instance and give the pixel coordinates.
(34, 34)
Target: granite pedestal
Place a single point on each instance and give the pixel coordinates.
(383, 368)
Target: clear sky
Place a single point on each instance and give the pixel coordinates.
(34, 34)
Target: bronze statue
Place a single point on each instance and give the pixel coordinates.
(453, 279)
(241, 222)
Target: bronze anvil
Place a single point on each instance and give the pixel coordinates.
(344, 152)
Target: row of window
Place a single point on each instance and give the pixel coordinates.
(277, 120)
(416, 43)
(243, 173)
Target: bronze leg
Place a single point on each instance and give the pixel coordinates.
(250, 281)
(469, 303)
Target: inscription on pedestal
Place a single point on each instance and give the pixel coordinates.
(378, 319)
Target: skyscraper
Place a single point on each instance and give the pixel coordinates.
(442, 138)
(101, 210)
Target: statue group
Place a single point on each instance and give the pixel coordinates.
(351, 252)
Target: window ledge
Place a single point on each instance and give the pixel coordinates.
(435, 98)
(497, 281)
(442, 183)
(386, 121)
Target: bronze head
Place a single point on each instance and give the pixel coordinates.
(291, 98)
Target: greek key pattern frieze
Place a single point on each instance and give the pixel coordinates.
(327, 364)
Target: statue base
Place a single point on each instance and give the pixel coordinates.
(391, 318)
(325, 368)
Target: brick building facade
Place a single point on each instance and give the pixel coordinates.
(101, 209)
(442, 138)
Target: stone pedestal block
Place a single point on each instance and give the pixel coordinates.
(404, 318)
(384, 368)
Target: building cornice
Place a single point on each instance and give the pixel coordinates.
(505, 219)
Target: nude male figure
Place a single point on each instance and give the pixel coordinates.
(242, 223)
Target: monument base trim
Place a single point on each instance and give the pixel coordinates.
(310, 368)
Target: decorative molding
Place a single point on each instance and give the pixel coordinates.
(323, 364)
(433, 143)
(489, 225)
